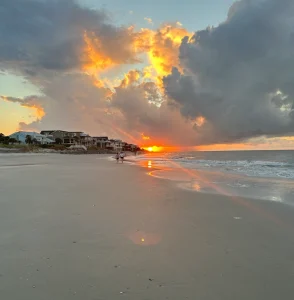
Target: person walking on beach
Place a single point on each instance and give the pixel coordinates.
(122, 157)
(117, 157)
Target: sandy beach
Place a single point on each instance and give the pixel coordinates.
(83, 227)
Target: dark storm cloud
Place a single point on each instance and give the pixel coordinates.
(240, 75)
(48, 34)
(137, 104)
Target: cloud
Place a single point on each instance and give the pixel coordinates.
(239, 75)
(50, 35)
(148, 20)
(218, 85)
(162, 48)
(53, 44)
(137, 100)
(32, 102)
(81, 101)
(73, 102)
(22, 126)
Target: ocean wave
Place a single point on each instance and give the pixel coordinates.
(250, 168)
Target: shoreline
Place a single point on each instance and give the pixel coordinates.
(214, 182)
(54, 151)
(191, 185)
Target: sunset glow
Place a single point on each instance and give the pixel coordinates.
(94, 58)
(149, 79)
(144, 137)
(200, 121)
(38, 110)
(153, 149)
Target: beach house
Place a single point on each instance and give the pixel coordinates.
(70, 138)
(101, 141)
(66, 137)
(20, 136)
(115, 145)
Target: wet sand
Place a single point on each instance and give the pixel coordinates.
(82, 227)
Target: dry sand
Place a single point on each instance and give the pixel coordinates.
(81, 227)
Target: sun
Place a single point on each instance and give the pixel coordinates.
(153, 149)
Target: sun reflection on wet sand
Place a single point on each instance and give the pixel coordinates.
(142, 238)
(207, 184)
(195, 186)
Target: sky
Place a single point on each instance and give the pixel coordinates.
(212, 75)
(194, 15)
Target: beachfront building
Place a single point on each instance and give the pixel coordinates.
(20, 136)
(86, 140)
(54, 134)
(101, 142)
(115, 145)
(66, 137)
(70, 138)
(73, 137)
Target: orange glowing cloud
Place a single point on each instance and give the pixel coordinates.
(163, 52)
(200, 121)
(39, 111)
(132, 77)
(94, 57)
(28, 102)
(144, 137)
(161, 47)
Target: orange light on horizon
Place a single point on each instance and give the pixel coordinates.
(153, 149)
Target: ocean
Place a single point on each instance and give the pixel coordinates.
(265, 175)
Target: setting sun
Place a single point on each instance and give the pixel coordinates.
(153, 149)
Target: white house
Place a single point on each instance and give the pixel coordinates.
(20, 136)
(116, 145)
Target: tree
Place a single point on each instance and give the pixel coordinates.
(6, 140)
(29, 139)
(2, 137)
(12, 141)
(35, 141)
(58, 141)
